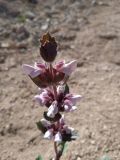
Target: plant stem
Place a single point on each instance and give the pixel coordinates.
(56, 152)
(55, 92)
(57, 156)
(54, 86)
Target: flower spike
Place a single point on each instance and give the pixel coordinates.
(54, 93)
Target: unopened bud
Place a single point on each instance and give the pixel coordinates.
(48, 48)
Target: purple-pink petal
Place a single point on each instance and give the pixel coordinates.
(68, 68)
(68, 102)
(52, 110)
(49, 134)
(73, 108)
(41, 66)
(59, 65)
(39, 99)
(62, 120)
(30, 70)
(58, 137)
(42, 99)
(73, 98)
(67, 108)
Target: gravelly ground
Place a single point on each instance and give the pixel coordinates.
(88, 31)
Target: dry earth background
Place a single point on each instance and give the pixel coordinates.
(87, 30)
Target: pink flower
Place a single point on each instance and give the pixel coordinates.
(65, 101)
(52, 110)
(42, 75)
(57, 131)
(45, 97)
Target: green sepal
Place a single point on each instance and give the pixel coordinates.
(41, 127)
(65, 147)
(67, 89)
(67, 137)
(62, 146)
(39, 158)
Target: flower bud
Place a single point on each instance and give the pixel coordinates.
(48, 48)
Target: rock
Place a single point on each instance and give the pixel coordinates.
(30, 15)
(116, 60)
(45, 25)
(67, 37)
(33, 1)
(8, 129)
(100, 3)
(92, 142)
(103, 3)
(35, 39)
(80, 63)
(108, 36)
(64, 46)
(3, 8)
(76, 157)
(22, 46)
(11, 0)
(13, 45)
(20, 33)
(72, 46)
(32, 139)
(94, 2)
(7, 11)
(2, 59)
(4, 34)
(11, 62)
(4, 45)
(13, 13)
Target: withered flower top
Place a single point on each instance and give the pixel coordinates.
(48, 48)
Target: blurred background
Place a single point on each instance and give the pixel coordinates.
(86, 30)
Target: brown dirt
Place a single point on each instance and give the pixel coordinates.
(86, 30)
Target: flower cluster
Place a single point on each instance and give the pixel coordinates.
(57, 131)
(65, 101)
(53, 91)
(44, 74)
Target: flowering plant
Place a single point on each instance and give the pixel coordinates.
(53, 93)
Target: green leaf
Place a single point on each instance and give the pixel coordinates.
(105, 158)
(39, 158)
(65, 147)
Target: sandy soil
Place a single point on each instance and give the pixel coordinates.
(86, 30)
